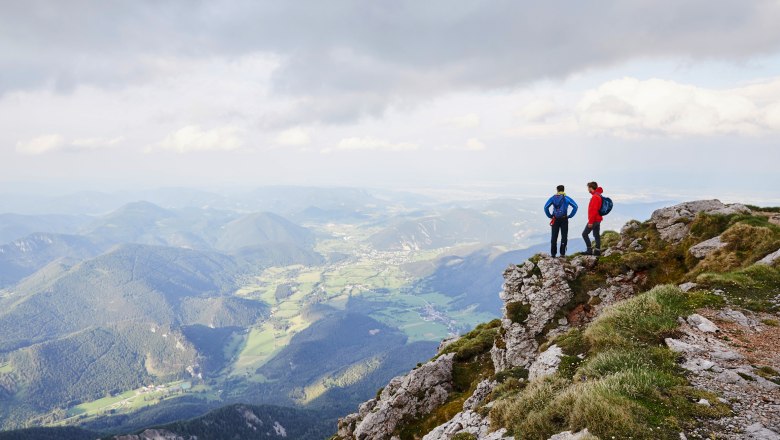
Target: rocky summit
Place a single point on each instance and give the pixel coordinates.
(673, 334)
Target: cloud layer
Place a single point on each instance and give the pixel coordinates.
(345, 59)
(633, 108)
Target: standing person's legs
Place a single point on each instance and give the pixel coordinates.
(585, 233)
(556, 226)
(597, 237)
(564, 235)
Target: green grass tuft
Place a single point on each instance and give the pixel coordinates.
(518, 311)
(628, 385)
(754, 288)
(475, 342)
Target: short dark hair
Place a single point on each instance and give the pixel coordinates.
(560, 188)
(593, 185)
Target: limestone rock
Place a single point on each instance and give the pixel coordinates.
(771, 258)
(687, 287)
(466, 421)
(672, 222)
(418, 393)
(702, 323)
(736, 316)
(546, 363)
(707, 247)
(154, 434)
(679, 346)
(484, 388)
(541, 289)
(757, 431)
(568, 435)
(698, 364)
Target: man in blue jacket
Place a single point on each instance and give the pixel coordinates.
(560, 216)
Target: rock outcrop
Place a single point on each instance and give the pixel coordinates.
(673, 222)
(544, 298)
(154, 434)
(418, 393)
(532, 295)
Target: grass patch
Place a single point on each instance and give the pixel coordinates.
(516, 373)
(746, 244)
(628, 385)
(475, 342)
(754, 288)
(518, 311)
(609, 239)
(764, 208)
(768, 373)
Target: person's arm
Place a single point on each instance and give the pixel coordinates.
(574, 206)
(547, 207)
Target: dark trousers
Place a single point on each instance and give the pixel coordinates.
(596, 229)
(560, 225)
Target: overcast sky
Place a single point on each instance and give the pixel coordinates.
(647, 97)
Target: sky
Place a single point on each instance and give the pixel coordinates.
(650, 98)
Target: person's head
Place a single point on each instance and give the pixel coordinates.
(592, 186)
(559, 188)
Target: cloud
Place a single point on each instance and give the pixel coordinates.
(194, 138)
(475, 144)
(470, 120)
(634, 108)
(371, 55)
(58, 143)
(370, 144)
(293, 137)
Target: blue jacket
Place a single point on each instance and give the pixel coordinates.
(550, 201)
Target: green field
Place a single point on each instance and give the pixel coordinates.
(133, 400)
(373, 276)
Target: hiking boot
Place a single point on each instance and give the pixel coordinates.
(597, 252)
(588, 252)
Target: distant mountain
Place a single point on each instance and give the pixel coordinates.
(446, 229)
(24, 256)
(244, 422)
(475, 279)
(114, 322)
(147, 223)
(133, 282)
(261, 228)
(64, 433)
(13, 226)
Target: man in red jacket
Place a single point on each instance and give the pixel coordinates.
(594, 220)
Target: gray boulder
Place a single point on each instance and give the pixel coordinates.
(771, 258)
(707, 247)
(702, 323)
(546, 363)
(757, 431)
(568, 435)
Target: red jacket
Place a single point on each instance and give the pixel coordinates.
(594, 206)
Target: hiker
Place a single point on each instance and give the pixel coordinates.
(559, 218)
(594, 220)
